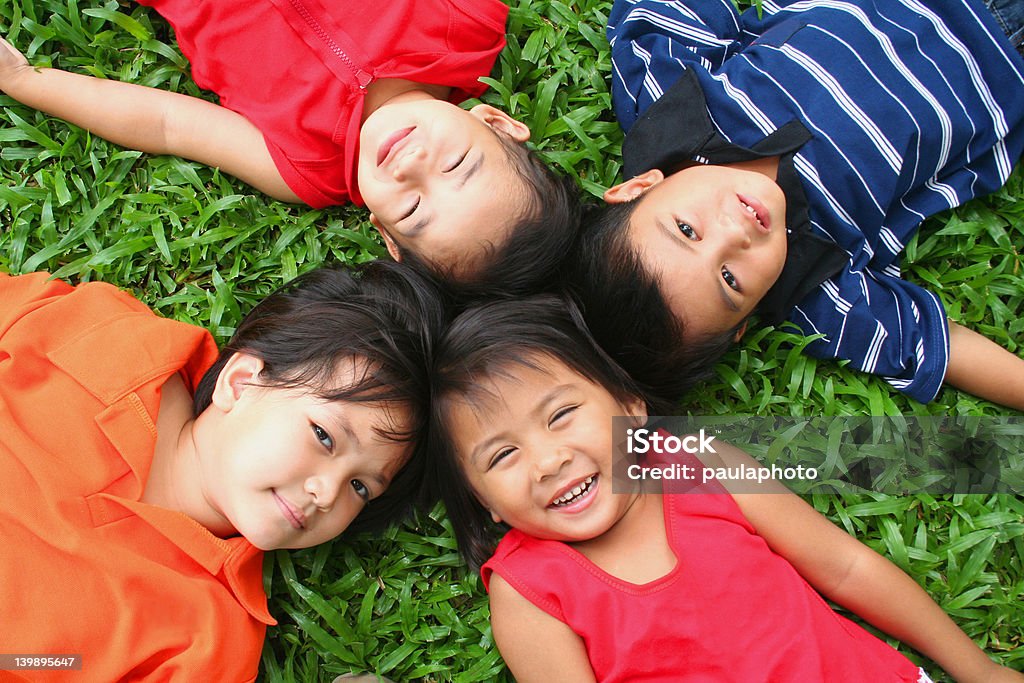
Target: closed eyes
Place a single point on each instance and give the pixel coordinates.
(457, 163)
(411, 211)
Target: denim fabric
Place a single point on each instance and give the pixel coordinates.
(1010, 15)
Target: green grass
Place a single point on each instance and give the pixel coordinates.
(201, 247)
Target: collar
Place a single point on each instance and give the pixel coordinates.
(677, 129)
(139, 351)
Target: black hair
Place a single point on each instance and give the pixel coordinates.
(380, 312)
(484, 342)
(529, 260)
(623, 305)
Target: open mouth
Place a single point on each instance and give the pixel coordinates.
(758, 212)
(575, 494)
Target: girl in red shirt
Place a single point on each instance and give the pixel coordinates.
(592, 584)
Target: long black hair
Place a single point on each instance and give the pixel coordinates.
(487, 341)
(380, 312)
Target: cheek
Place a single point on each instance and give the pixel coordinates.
(339, 520)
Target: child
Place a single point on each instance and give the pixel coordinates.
(328, 102)
(144, 473)
(780, 163)
(592, 584)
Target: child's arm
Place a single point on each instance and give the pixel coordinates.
(854, 576)
(536, 646)
(147, 119)
(981, 367)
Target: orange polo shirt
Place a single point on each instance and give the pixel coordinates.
(141, 592)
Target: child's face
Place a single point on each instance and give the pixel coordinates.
(541, 437)
(287, 469)
(716, 238)
(438, 181)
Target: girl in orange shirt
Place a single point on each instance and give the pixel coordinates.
(145, 472)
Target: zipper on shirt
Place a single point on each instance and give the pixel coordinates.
(364, 79)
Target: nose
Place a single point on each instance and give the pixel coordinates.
(324, 488)
(411, 164)
(549, 462)
(731, 235)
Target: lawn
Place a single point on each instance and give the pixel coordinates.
(201, 247)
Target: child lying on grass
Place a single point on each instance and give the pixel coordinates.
(144, 473)
(779, 163)
(330, 103)
(592, 584)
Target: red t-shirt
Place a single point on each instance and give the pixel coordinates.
(142, 593)
(298, 69)
(730, 610)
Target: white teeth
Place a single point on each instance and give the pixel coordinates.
(751, 209)
(578, 490)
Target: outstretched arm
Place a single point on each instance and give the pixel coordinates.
(147, 119)
(536, 646)
(981, 367)
(856, 577)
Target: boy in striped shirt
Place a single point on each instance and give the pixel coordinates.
(780, 161)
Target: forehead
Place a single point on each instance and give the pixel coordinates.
(468, 228)
(516, 386)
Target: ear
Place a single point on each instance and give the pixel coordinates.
(636, 409)
(634, 187)
(495, 517)
(501, 122)
(240, 372)
(389, 242)
(739, 333)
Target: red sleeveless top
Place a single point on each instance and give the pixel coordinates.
(730, 610)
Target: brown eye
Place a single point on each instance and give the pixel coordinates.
(361, 489)
(730, 279)
(687, 230)
(323, 437)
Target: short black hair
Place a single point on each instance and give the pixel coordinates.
(529, 260)
(486, 341)
(380, 311)
(628, 315)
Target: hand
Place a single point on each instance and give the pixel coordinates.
(11, 61)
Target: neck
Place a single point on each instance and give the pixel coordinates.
(174, 480)
(393, 90)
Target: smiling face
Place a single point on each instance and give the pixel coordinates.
(715, 238)
(285, 468)
(537, 451)
(437, 180)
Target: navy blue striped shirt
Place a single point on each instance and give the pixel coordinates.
(914, 106)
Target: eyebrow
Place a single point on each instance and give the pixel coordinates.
(672, 232)
(470, 172)
(726, 298)
(346, 427)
